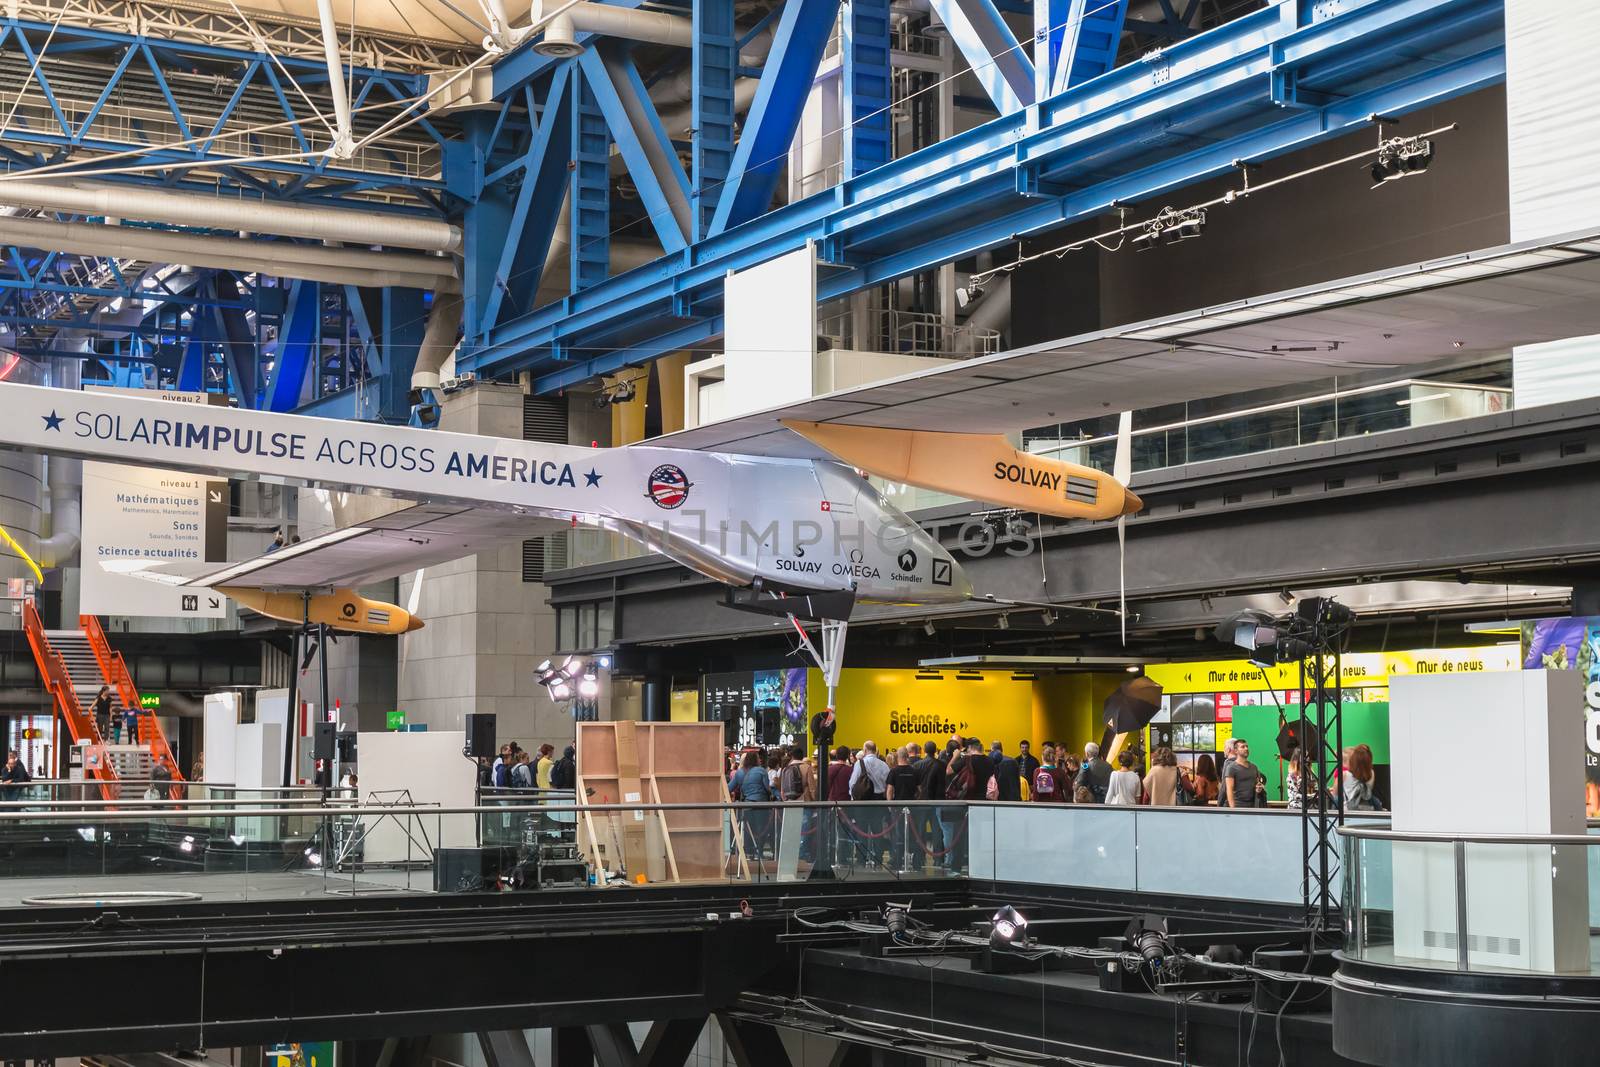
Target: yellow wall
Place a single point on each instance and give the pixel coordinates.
(894, 707)
(685, 705)
(1068, 708)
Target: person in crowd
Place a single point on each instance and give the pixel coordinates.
(160, 783)
(930, 786)
(1027, 764)
(197, 769)
(1357, 780)
(1229, 753)
(967, 779)
(502, 766)
(1161, 784)
(521, 775)
(102, 711)
(752, 786)
(901, 782)
(870, 775)
(1124, 785)
(1243, 785)
(901, 788)
(1096, 772)
(1203, 785)
(1083, 795)
(775, 760)
(953, 747)
(546, 763)
(1068, 766)
(15, 776)
(1007, 777)
(278, 541)
(485, 772)
(792, 774)
(839, 774)
(1048, 785)
(564, 775)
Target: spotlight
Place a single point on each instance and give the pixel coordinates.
(1400, 157)
(561, 691)
(545, 672)
(1003, 622)
(1191, 223)
(1008, 927)
(1048, 618)
(967, 294)
(1147, 238)
(1148, 937)
(589, 687)
(1323, 611)
(930, 629)
(1240, 628)
(897, 919)
(603, 662)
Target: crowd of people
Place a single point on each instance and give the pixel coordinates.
(964, 770)
(517, 768)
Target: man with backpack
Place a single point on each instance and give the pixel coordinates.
(869, 780)
(1096, 773)
(967, 779)
(564, 775)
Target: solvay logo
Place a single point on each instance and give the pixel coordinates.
(668, 487)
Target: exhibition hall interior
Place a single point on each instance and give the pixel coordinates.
(799, 533)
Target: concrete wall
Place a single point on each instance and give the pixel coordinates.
(1328, 225)
(486, 627)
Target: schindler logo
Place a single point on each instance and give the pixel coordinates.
(907, 564)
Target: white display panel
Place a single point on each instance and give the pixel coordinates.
(769, 333)
(429, 765)
(1527, 907)
(221, 722)
(134, 513)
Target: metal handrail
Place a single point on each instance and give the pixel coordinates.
(1421, 836)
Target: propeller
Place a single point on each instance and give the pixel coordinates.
(1122, 471)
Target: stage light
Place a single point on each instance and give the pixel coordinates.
(545, 672)
(929, 629)
(897, 919)
(1003, 622)
(1240, 628)
(1191, 223)
(968, 293)
(560, 691)
(1148, 937)
(1048, 618)
(1401, 157)
(603, 662)
(589, 687)
(1008, 928)
(1148, 238)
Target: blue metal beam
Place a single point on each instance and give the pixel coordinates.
(1093, 34)
(775, 113)
(1050, 21)
(991, 50)
(297, 347)
(1139, 125)
(651, 160)
(589, 250)
(536, 211)
(868, 125)
(714, 70)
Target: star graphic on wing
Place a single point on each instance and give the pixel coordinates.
(592, 478)
(52, 421)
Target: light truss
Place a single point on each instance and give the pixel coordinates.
(201, 22)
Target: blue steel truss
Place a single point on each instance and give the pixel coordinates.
(204, 95)
(1267, 83)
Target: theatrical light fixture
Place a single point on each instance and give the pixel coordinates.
(589, 686)
(897, 920)
(966, 294)
(1008, 928)
(1400, 157)
(930, 629)
(560, 691)
(1170, 227)
(1148, 937)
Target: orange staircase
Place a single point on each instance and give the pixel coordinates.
(115, 672)
(74, 665)
(58, 683)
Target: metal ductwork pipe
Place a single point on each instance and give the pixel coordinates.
(438, 340)
(652, 27)
(366, 228)
(66, 512)
(338, 266)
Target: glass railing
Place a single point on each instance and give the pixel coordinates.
(1514, 904)
(94, 852)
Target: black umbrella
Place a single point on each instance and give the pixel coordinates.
(1134, 704)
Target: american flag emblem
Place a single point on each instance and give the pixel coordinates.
(668, 486)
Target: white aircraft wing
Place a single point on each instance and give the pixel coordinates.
(401, 541)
